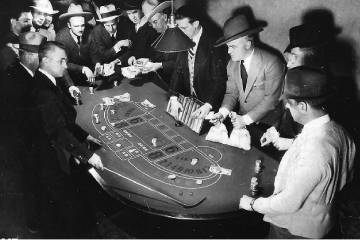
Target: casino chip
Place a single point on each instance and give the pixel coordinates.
(154, 142)
(112, 111)
(172, 177)
(103, 128)
(118, 145)
(199, 182)
(194, 161)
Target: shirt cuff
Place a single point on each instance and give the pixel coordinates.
(173, 98)
(83, 69)
(209, 105)
(224, 111)
(247, 119)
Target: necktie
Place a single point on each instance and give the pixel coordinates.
(78, 40)
(244, 75)
(113, 38)
(191, 53)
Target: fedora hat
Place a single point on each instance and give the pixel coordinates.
(44, 6)
(236, 27)
(131, 5)
(305, 35)
(75, 11)
(159, 8)
(306, 83)
(30, 41)
(108, 13)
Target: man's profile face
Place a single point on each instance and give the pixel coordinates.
(294, 58)
(238, 49)
(39, 17)
(187, 27)
(23, 23)
(56, 62)
(111, 26)
(77, 25)
(159, 22)
(134, 15)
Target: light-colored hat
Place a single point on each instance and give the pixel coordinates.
(30, 41)
(158, 9)
(75, 11)
(108, 13)
(44, 6)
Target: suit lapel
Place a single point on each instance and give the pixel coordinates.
(253, 72)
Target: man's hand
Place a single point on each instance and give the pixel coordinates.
(202, 112)
(245, 203)
(237, 120)
(96, 162)
(283, 143)
(122, 43)
(94, 140)
(74, 91)
(151, 67)
(131, 60)
(175, 107)
(89, 74)
(217, 118)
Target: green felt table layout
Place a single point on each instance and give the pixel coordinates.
(142, 144)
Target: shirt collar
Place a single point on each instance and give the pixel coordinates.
(27, 69)
(75, 37)
(316, 123)
(196, 38)
(248, 59)
(52, 79)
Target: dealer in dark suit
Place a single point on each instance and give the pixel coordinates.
(199, 72)
(66, 138)
(75, 38)
(255, 77)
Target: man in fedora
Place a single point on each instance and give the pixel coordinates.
(316, 166)
(42, 9)
(75, 38)
(162, 63)
(20, 20)
(19, 121)
(141, 34)
(255, 77)
(107, 41)
(305, 47)
(200, 71)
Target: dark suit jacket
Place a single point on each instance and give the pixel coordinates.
(58, 121)
(168, 61)
(101, 45)
(78, 56)
(209, 73)
(141, 43)
(260, 100)
(7, 55)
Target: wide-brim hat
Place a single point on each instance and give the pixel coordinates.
(236, 27)
(108, 13)
(159, 8)
(30, 41)
(131, 5)
(305, 35)
(303, 83)
(75, 11)
(44, 6)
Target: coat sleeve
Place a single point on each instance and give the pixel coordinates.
(231, 96)
(274, 76)
(99, 52)
(56, 128)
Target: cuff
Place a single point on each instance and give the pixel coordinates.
(247, 119)
(224, 111)
(173, 98)
(83, 70)
(209, 105)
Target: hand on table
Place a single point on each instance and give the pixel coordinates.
(151, 67)
(94, 140)
(202, 112)
(283, 143)
(217, 118)
(89, 74)
(175, 107)
(245, 203)
(96, 162)
(74, 91)
(237, 120)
